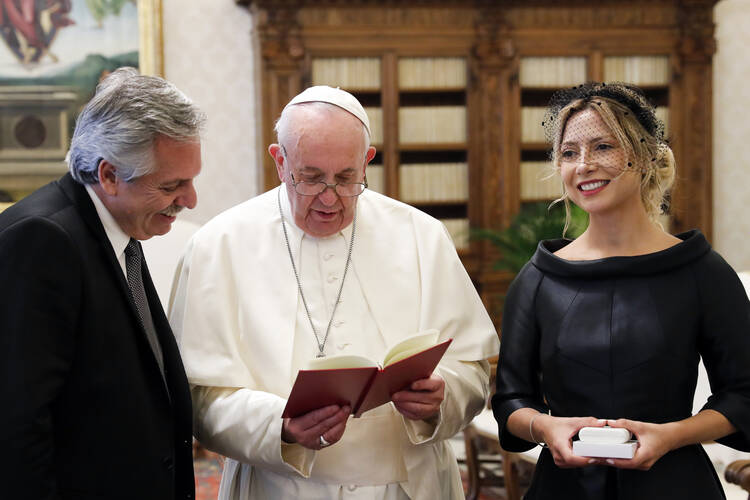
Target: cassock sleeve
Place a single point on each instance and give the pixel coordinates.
(724, 345)
(245, 425)
(230, 416)
(518, 372)
(40, 271)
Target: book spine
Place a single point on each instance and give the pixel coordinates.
(531, 124)
(552, 71)
(539, 181)
(431, 72)
(365, 392)
(426, 182)
(432, 124)
(375, 180)
(375, 116)
(638, 70)
(360, 73)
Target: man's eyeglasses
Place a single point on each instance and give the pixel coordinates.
(345, 189)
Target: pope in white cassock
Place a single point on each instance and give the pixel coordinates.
(322, 265)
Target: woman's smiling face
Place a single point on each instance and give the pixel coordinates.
(594, 165)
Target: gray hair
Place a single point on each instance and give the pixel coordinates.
(123, 119)
(287, 136)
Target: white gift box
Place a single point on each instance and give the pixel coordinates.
(605, 450)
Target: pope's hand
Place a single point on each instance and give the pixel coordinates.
(307, 429)
(422, 399)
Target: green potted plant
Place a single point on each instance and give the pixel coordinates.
(535, 222)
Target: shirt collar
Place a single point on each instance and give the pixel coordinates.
(117, 237)
(296, 233)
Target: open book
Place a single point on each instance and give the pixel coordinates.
(361, 383)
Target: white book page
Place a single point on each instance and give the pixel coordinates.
(411, 345)
(343, 361)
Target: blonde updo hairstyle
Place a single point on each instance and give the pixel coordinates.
(647, 152)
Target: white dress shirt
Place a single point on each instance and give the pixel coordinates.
(116, 236)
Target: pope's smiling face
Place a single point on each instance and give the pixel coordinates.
(327, 146)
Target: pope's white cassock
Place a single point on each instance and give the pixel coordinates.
(243, 333)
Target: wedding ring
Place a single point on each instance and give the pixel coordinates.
(323, 442)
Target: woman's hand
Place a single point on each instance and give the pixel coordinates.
(558, 433)
(654, 441)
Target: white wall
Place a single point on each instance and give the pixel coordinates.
(731, 157)
(209, 55)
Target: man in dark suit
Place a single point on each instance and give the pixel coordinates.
(95, 403)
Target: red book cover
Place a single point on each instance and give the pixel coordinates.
(362, 388)
(315, 389)
(400, 375)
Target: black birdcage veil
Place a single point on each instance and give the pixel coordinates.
(611, 126)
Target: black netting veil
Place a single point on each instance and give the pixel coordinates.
(628, 95)
(602, 135)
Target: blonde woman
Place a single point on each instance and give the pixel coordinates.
(608, 329)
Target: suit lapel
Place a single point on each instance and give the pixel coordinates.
(79, 196)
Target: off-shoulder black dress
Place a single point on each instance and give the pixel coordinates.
(621, 337)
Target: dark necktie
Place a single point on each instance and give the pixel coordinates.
(133, 264)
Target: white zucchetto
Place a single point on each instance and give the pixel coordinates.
(335, 96)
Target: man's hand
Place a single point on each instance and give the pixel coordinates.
(306, 429)
(422, 399)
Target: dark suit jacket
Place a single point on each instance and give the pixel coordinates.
(85, 412)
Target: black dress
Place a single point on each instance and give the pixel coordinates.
(621, 338)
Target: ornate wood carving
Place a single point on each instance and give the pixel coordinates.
(697, 44)
(379, 16)
(494, 55)
(591, 16)
(692, 197)
(495, 70)
(281, 44)
(282, 57)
